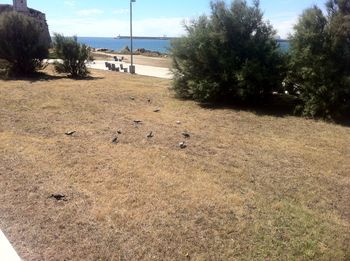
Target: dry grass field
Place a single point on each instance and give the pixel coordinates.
(247, 187)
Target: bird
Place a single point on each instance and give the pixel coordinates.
(115, 140)
(182, 145)
(58, 197)
(178, 122)
(150, 135)
(186, 134)
(137, 121)
(70, 133)
(132, 98)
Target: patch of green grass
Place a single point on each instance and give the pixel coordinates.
(288, 231)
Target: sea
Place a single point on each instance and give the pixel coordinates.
(110, 43)
(161, 46)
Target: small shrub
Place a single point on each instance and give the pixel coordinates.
(4, 69)
(21, 45)
(74, 56)
(125, 50)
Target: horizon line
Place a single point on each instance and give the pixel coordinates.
(149, 37)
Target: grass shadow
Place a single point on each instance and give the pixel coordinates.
(87, 78)
(280, 106)
(43, 76)
(344, 121)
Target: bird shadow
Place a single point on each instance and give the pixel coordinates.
(279, 106)
(42, 76)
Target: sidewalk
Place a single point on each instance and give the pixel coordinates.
(146, 70)
(7, 253)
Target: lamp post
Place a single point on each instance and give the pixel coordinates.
(132, 66)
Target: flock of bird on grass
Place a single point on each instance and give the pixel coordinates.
(115, 140)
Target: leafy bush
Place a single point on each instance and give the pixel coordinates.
(21, 44)
(320, 60)
(231, 55)
(4, 68)
(74, 56)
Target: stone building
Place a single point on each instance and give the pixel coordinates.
(21, 7)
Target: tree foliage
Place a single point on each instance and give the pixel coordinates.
(230, 55)
(320, 59)
(74, 56)
(21, 43)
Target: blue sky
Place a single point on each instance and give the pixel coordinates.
(151, 17)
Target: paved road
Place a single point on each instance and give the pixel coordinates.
(146, 70)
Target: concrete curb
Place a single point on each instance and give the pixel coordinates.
(7, 252)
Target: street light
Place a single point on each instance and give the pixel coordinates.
(132, 66)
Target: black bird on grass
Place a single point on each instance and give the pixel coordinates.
(150, 135)
(58, 197)
(186, 134)
(182, 145)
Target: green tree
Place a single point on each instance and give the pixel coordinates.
(21, 43)
(231, 55)
(74, 56)
(320, 60)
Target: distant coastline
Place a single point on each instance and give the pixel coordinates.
(146, 37)
(167, 38)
